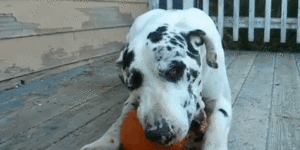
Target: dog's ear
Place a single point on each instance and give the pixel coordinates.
(119, 62)
(199, 37)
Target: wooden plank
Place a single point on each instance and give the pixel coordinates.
(267, 21)
(206, 6)
(169, 4)
(298, 23)
(51, 96)
(230, 56)
(90, 132)
(284, 131)
(251, 20)
(259, 22)
(236, 16)
(238, 71)
(188, 4)
(251, 111)
(220, 16)
(283, 21)
(61, 126)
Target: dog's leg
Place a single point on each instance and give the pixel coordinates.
(220, 114)
(111, 139)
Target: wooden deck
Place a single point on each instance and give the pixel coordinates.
(68, 107)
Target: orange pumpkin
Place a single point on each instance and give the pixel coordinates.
(133, 136)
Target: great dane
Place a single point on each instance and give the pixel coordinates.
(173, 64)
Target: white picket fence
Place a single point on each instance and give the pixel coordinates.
(250, 22)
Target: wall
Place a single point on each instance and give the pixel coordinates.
(40, 34)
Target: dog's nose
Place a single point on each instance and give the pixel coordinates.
(159, 133)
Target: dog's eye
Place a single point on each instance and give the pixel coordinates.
(175, 72)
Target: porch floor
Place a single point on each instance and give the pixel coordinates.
(68, 107)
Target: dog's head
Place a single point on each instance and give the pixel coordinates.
(163, 68)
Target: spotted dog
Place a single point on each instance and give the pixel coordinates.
(173, 64)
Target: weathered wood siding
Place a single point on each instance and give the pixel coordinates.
(37, 35)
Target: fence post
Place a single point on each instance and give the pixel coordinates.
(251, 20)
(283, 20)
(236, 16)
(206, 6)
(188, 4)
(267, 20)
(221, 16)
(153, 4)
(298, 24)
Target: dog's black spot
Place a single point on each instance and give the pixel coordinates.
(155, 37)
(180, 46)
(194, 73)
(212, 63)
(197, 106)
(175, 71)
(159, 58)
(127, 59)
(188, 76)
(224, 112)
(180, 39)
(190, 90)
(195, 57)
(125, 103)
(154, 49)
(161, 29)
(177, 54)
(169, 48)
(195, 97)
(173, 41)
(185, 104)
(189, 115)
(199, 83)
(136, 79)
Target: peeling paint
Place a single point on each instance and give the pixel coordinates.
(39, 53)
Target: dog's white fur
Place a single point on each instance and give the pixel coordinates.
(215, 88)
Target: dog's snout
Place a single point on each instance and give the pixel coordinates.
(159, 132)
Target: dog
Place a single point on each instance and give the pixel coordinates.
(174, 67)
